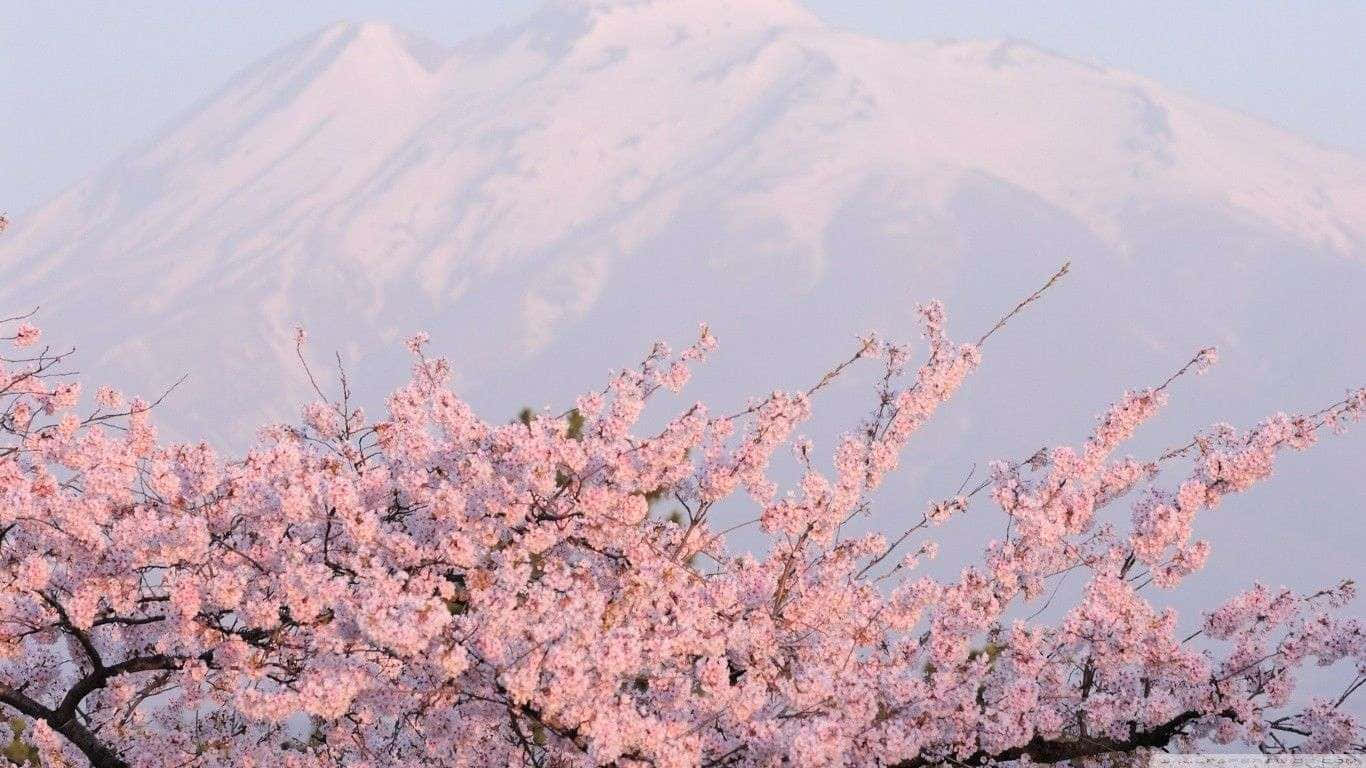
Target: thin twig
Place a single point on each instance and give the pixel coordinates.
(1033, 297)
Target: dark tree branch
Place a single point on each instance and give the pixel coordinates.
(1041, 750)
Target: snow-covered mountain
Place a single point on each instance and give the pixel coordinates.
(548, 199)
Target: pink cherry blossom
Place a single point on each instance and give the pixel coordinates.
(433, 589)
(26, 335)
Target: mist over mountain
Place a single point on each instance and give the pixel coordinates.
(549, 199)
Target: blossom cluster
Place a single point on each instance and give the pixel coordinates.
(434, 589)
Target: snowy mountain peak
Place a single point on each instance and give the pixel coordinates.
(590, 27)
(366, 51)
(698, 12)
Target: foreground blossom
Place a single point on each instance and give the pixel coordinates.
(432, 589)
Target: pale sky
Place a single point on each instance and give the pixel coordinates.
(80, 81)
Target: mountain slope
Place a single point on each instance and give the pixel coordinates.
(550, 198)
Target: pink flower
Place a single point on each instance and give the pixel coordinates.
(434, 585)
(417, 341)
(108, 397)
(26, 335)
(1206, 359)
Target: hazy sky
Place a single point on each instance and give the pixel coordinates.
(81, 81)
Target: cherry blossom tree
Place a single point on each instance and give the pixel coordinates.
(430, 589)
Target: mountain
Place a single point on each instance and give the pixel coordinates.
(548, 199)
